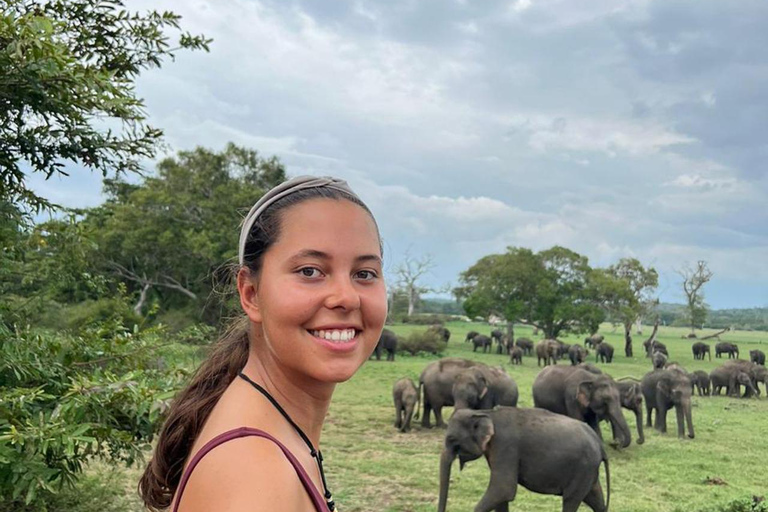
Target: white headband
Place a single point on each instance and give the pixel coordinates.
(282, 190)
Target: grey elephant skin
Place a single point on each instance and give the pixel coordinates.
(406, 397)
(584, 396)
(699, 349)
(482, 341)
(594, 340)
(701, 382)
(631, 396)
(734, 374)
(663, 390)
(516, 355)
(470, 336)
(727, 348)
(548, 351)
(544, 452)
(387, 342)
(436, 386)
(526, 344)
(577, 354)
(604, 352)
(483, 387)
(659, 360)
(757, 357)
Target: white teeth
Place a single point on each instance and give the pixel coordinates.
(337, 335)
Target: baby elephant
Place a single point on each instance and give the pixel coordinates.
(406, 397)
(546, 453)
(700, 381)
(516, 355)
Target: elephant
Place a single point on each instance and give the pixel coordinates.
(509, 343)
(604, 352)
(590, 368)
(659, 360)
(725, 347)
(548, 351)
(757, 357)
(631, 397)
(483, 387)
(526, 344)
(593, 341)
(470, 336)
(501, 340)
(516, 355)
(701, 382)
(441, 331)
(732, 379)
(436, 386)
(651, 346)
(496, 335)
(664, 389)
(483, 341)
(699, 349)
(584, 396)
(406, 397)
(388, 342)
(577, 354)
(562, 349)
(544, 452)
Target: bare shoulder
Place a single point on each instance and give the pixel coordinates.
(249, 474)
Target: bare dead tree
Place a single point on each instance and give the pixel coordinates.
(693, 281)
(409, 273)
(147, 282)
(716, 335)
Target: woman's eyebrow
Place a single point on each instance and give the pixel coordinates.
(313, 253)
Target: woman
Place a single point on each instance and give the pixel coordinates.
(244, 435)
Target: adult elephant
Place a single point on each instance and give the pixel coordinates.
(604, 352)
(664, 389)
(388, 342)
(483, 387)
(481, 341)
(731, 379)
(544, 452)
(526, 344)
(577, 354)
(725, 347)
(594, 340)
(470, 336)
(756, 374)
(757, 357)
(436, 386)
(631, 396)
(584, 396)
(547, 350)
(699, 349)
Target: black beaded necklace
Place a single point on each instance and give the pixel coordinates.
(316, 454)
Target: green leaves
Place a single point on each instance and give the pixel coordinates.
(66, 65)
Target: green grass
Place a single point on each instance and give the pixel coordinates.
(371, 466)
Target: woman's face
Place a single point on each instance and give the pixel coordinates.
(321, 298)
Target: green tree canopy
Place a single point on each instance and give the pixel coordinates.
(67, 72)
(553, 290)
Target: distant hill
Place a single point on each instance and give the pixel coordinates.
(751, 319)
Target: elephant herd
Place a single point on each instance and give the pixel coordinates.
(556, 447)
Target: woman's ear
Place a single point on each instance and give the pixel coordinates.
(247, 288)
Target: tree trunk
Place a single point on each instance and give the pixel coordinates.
(142, 299)
(511, 331)
(628, 340)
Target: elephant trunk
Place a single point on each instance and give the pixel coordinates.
(688, 419)
(446, 459)
(620, 428)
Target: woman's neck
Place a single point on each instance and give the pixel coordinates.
(306, 401)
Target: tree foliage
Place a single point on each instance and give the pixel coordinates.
(67, 73)
(553, 290)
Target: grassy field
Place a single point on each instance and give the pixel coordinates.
(371, 466)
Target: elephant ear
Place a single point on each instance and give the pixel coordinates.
(482, 430)
(665, 386)
(584, 392)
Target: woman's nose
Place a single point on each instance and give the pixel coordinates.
(343, 295)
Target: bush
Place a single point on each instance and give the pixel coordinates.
(198, 334)
(426, 341)
(93, 312)
(432, 319)
(747, 504)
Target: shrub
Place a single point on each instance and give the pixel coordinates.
(425, 341)
(198, 334)
(746, 504)
(93, 312)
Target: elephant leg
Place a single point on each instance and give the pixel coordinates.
(427, 409)
(661, 418)
(639, 421)
(398, 413)
(407, 419)
(680, 421)
(502, 488)
(439, 416)
(594, 498)
(649, 414)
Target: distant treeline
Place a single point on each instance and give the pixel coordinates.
(751, 319)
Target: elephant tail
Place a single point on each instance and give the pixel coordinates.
(607, 481)
(418, 400)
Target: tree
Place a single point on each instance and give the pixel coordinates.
(409, 273)
(627, 291)
(173, 231)
(694, 280)
(553, 290)
(67, 73)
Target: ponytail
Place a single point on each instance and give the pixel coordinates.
(188, 414)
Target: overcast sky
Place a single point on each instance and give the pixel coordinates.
(614, 128)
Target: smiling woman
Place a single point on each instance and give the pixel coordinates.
(245, 434)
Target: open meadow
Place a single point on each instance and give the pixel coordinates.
(372, 466)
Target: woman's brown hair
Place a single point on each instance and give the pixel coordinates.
(193, 404)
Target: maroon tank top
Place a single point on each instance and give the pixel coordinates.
(317, 499)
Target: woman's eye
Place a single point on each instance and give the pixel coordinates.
(367, 275)
(309, 272)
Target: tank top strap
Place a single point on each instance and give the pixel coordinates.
(317, 499)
